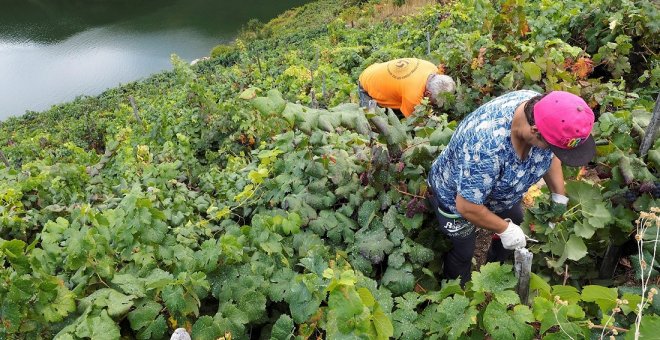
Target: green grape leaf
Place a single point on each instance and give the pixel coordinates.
(567, 293)
(575, 311)
(390, 221)
(538, 284)
(158, 279)
(449, 288)
(441, 136)
(205, 328)
(249, 93)
(291, 225)
(129, 284)
(118, 303)
(605, 298)
(507, 297)
(648, 328)
(55, 309)
(366, 213)
(345, 303)
(21, 289)
(235, 314)
(411, 223)
(229, 325)
(507, 81)
(347, 314)
(405, 316)
(373, 244)
(326, 223)
(174, 299)
(302, 304)
(396, 259)
(645, 202)
(14, 252)
(404, 324)
(366, 296)
(584, 230)
(503, 324)
(280, 284)
(453, 317)
(540, 307)
(283, 329)
(383, 324)
(11, 315)
(552, 315)
(400, 280)
(587, 195)
(493, 277)
(575, 248)
(383, 297)
(101, 327)
(253, 303)
(598, 216)
(146, 319)
(420, 254)
(409, 301)
(531, 71)
(273, 104)
(649, 271)
(633, 301)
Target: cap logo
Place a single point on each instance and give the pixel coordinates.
(573, 143)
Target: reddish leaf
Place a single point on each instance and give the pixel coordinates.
(582, 67)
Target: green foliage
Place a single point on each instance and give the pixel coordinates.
(504, 324)
(220, 207)
(493, 278)
(452, 317)
(283, 328)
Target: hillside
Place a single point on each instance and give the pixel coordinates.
(248, 196)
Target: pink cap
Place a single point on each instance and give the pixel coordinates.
(565, 121)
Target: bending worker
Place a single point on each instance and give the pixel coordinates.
(401, 84)
(498, 152)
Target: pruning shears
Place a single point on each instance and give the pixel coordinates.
(529, 239)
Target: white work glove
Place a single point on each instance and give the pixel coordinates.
(559, 199)
(513, 237)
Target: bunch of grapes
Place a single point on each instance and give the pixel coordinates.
(630, 196)
(415, 206)
(653, 188)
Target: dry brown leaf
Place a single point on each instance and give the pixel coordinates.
(479, 60)
(582, 67)
(442, 69)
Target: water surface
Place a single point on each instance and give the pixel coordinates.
(54, 50)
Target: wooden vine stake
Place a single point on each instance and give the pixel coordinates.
(135, 109)
(428, 43)
(4, 159)
(523, 268)
(652, 129)
(610, 259)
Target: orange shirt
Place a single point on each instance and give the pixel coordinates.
(399, 83)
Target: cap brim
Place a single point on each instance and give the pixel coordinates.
(578, 156)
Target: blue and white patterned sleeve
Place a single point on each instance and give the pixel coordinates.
(479, 172)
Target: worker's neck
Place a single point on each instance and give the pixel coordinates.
(519, 131)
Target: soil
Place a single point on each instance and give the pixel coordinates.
(481, 249)
(624, 274)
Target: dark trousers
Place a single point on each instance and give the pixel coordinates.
(364, 96)
(458, 261)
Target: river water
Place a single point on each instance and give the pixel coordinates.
(54, 50)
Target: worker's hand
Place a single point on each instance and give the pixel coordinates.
(558, 206)
(513, 237)
(559, 199)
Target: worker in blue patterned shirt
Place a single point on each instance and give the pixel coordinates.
(495, 155)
